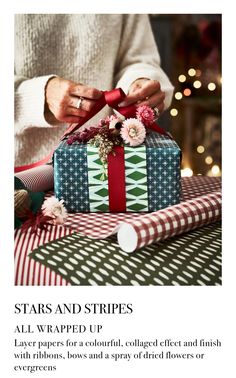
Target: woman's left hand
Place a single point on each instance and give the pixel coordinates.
(145, 92)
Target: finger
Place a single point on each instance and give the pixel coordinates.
(147, 90)
(87, 92)
(138, 84)
(160, 108)
(72, 119)
(154, 100)
(76, 112)
(86, 105)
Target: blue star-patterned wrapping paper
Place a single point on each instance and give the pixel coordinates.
(161, 158)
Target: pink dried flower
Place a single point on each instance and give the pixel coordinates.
(55, 209)
(102, 122)
(133, 132)
(110, 118)
(106, 121)
(145, 114)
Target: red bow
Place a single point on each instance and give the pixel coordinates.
(112, 98)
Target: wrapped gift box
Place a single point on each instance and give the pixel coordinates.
(150, 181)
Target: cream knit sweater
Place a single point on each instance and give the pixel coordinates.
(102, 51)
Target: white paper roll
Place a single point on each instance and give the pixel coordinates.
(127, 237)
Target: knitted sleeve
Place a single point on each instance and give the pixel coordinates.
(29, 102)
(139, 57)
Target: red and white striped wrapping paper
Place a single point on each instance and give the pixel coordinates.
(38, 179)
(28, 271)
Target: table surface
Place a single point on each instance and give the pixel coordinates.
(193, 258)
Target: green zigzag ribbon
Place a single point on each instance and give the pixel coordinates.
(135, 180)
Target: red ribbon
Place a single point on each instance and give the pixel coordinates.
(111, 98)
(116, 180)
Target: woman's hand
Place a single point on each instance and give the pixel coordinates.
(145, 92)
(62, 99)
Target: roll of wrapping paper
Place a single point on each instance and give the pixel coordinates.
(135, 230)
(38, 179)
(174, 220)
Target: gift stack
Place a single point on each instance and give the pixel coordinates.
(118, 166)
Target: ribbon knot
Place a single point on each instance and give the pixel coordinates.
(112, 98)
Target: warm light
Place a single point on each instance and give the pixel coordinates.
(197, 84)
(186, 172)
(200, 149)
(182, 78)
(208, 160)
(187, 92)
(178, 95)
(215, 170)
(198, 73)
(219, 80)
(192, 72)
(211, 86)
(173, 112)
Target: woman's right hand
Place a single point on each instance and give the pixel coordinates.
(62, 99)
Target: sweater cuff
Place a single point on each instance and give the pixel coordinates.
(131, 75)
(30, 103)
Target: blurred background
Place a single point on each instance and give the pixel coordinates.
(190, 49)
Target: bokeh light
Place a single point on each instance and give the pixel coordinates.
(178, 95)
(197, 84)
(182, 78)
(187, 92)
(208, 160)
(211, 86)
(186, 172)
(200, 149)
(198, 73)
(192, 72)
(173, 112)
(215, 170)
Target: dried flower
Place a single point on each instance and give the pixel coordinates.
(133, 132)
(114, 122)
(36, 222)
(72, 139)
(54, 208)
(106, 121)
(145, 114)
(83, 136)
